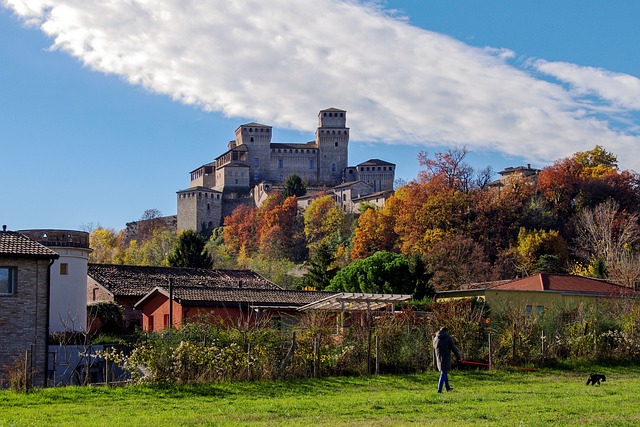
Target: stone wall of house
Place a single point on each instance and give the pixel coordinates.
(23, 317)
(199, 209)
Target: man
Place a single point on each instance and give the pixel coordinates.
(443, 345)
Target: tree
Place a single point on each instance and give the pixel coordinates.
(325, 224)
(240, 233)
(189, 251)
(293, 186)
(104, 243)
(383, 272)
(534, 248)
(374, 232)
(322, 268)
(613, 236)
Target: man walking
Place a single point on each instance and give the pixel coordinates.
(443, 345)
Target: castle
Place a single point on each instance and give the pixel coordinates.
(253, 165)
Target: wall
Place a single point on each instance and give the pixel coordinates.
(23, 316)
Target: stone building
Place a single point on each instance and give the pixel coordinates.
(253, 163)
(24, 303)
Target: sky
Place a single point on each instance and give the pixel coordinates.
(105, 107)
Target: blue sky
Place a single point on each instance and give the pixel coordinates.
(106, 106)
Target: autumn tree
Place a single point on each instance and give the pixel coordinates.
(189, 251)
(455, 261)
(240, 233)
(538, 250)
(326, 224)
(374, 232)
(104, 245)
(608, 234)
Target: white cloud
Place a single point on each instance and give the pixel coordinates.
(280, 61)
(621, 90)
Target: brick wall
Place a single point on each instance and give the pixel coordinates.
(23, 316)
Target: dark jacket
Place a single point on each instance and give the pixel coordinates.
(443, 345)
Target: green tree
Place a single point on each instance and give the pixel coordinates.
(383, 272)
(189, 251)
(294, 186)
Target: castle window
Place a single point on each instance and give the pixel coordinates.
(208, 207)
(339, 133)
(324, 114)
(251, 140)
(256, 161)
(250, 130)
(255, 176)
(333, 167)
(311, 164)
(341, 114)
(280, 177)
(334, 132)
(336, 143)
(330, 115)
(261, 130)
(280, 163)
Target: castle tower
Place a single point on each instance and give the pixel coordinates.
(332, 138)
(199, 209)
(68, 295)
(257, 139)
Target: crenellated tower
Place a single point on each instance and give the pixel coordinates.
(332, 139)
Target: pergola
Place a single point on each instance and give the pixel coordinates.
(346, 301)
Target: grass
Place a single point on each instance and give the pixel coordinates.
(480, 398)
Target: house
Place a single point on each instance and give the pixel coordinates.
(68, 300)
(126, 284)
(238, 304)
(535, 293)
(25, 271)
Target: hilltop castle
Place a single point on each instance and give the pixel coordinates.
(252, 165)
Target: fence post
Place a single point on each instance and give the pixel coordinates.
(542, 338)
(27, 363)
(377, 354)
(490, 352)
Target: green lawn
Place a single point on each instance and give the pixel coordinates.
(529, 398)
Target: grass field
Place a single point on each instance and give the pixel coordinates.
(480, 398)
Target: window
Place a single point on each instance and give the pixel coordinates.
(311, 164)
(256, 161)
(336, 143)
(528, 309)
(150, 329)
(540, 310)
(255, 176)
(280, 163)
(333, 167)
(64, 269)
(7, 280)
(166, 321)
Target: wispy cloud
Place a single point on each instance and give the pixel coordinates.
(280, 61)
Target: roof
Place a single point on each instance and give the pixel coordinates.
(375, 162)
(386, 194)
(346, 301)
(17, 245)
(352, 183)
(254, 124)
(199, 188)
(208, 296)
(563, 283)
(311, 145)
(137, 281)
(333, 109)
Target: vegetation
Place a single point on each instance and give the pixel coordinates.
(579, 215)
(487, 398)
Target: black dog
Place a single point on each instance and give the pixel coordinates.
(595, 379)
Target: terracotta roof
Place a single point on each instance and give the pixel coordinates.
(128, 280)
(198, 296)
(18, 245)
(564, 283)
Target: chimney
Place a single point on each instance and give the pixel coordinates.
(4, 228)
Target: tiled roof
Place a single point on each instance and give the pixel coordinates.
(197, 295)
(333, 109)
(375, 162)
(303, 146)
(563, 283)
(127, 280)
(18, 245)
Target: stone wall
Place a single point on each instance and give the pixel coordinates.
(23, 317)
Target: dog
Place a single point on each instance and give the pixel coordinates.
(595, 379)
